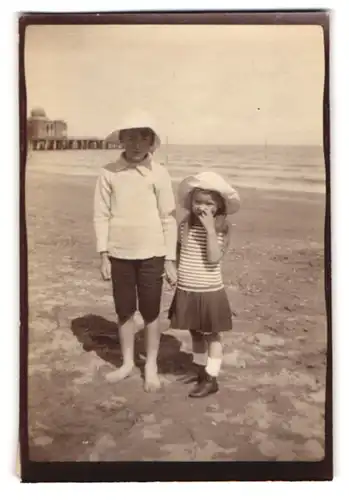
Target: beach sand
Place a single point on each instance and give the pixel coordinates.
(271, 402)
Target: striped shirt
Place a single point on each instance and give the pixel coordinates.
(195, 273)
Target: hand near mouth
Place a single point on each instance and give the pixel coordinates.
(207, 220)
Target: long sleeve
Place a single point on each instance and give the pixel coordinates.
(102, 211)
(167, 210)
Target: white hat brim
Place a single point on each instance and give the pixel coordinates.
(136, 119)
(212, 182)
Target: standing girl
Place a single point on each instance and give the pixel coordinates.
(200, 304)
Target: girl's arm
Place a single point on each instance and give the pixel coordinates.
(102, 211)
(167, 212)
(215, 250)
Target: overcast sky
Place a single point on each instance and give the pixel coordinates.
(202, 84)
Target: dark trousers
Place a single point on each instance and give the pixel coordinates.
(137, 281)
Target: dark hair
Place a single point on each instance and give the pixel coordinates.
(221, 214)
(144, 130)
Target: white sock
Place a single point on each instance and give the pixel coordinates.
(213, 366)
(200, 358)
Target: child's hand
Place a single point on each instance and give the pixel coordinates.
(171, 272)
(207, 220)
(105, 267)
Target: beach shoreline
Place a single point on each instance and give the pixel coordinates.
(280, 169)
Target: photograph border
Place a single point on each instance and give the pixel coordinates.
(31, 471)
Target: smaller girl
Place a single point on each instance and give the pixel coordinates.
(200, 304)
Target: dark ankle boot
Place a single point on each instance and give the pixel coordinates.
(208, 385)
(196, 374)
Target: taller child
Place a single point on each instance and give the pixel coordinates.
(135, 225)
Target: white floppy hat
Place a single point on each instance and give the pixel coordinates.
(135, 119)
(212, 182)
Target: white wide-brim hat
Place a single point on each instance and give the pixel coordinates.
(212, 182)
(135, 119)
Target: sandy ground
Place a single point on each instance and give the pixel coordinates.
(271, 402)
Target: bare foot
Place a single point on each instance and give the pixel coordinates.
(120, 374)
(151, 379)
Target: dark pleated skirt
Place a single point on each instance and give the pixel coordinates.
(207, 312)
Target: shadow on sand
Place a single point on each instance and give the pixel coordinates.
(97, 334)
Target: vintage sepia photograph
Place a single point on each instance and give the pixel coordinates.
(176, 207)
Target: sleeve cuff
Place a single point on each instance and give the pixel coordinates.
(101, 249)
(171, 257)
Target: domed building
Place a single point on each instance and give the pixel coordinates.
(38, 113)
(39, 126)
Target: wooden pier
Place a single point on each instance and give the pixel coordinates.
(60, 143)
(48, 135)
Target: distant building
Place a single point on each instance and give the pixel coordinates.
(39, 126)
(47, 135)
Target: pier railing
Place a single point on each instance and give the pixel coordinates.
(49, 144)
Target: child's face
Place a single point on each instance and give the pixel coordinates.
(137, 143)
(203, 202)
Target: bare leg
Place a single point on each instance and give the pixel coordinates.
(127, 337)
(151, 378)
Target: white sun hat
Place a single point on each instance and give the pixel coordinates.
(212, 182)
(135, 119)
